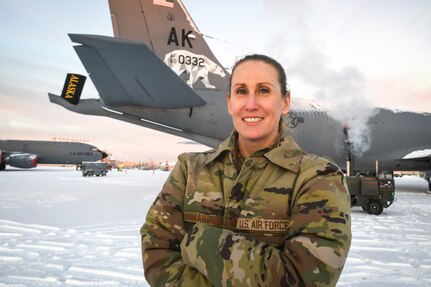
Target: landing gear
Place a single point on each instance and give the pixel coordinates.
(374, 206)
(2, 166)
(427, 176)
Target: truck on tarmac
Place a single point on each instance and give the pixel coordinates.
(90, 168)
(372, 193)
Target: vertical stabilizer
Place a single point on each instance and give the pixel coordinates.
(167, 29)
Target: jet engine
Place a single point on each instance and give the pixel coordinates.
(22, 160)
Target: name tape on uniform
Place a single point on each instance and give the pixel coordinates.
(204, 218)
(261, 224)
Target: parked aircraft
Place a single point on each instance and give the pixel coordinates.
(27, 154)
(158, 72)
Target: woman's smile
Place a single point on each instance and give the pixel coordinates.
(252, 119)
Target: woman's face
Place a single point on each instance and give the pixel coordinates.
(255, 103)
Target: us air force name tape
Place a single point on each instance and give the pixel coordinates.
(261, 224)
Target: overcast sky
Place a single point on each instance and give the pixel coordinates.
(381, 48)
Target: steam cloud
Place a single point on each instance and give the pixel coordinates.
(344, 93)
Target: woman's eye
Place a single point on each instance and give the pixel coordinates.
(241, 92)
(263, 90)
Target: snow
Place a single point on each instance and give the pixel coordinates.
(58, 228)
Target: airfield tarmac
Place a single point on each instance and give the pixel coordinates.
(58, 228)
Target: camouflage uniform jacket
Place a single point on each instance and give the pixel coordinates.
(284, 220)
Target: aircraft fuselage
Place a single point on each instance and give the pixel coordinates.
(50, 152)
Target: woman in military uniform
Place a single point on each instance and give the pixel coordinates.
(257, 210)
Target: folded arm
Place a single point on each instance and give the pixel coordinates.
(162, 234)
(313, 254)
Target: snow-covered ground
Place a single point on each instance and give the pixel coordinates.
(58, 228)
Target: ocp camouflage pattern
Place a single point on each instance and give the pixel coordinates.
(283, 220)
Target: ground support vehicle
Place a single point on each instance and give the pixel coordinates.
(372, 193)
(94, 168)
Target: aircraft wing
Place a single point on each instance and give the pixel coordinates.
(128, 73)
(419, 155)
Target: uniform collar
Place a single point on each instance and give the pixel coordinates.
(287, 155)
(226, 145)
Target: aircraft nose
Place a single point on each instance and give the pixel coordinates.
(104, 154)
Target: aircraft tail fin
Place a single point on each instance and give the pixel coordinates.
(72, 88)
(167, 29)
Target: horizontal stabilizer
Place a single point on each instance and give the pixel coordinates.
(92, 107)
(72, 88)
(128, 73)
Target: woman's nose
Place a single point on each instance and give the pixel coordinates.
(251, 103)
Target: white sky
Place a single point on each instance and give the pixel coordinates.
(384, 44)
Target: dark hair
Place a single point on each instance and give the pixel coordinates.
(259, 57)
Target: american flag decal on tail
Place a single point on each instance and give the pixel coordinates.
(164, 3)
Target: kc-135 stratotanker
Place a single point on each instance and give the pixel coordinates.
(30, 153)
(159, 72)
